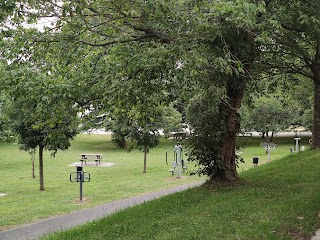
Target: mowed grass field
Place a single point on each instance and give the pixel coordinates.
(250, 147)
(24, 203)
(275, 201)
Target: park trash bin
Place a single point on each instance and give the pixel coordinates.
(255, 161)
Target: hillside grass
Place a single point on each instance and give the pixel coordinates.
(24, 203)
(279, 200)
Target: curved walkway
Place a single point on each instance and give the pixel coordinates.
(58, 223)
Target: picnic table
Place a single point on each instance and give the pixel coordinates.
(97, 157)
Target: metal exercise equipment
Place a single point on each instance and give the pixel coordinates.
(178, 163)
(297, 144)
(268, 147)
(81, 177)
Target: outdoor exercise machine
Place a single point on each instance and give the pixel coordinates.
(178, 162)
(269, 146)
(80, 177)
(297, 140)
(297, 145)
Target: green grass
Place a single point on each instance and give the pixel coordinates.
(24, 203)
(250, 147)
(279, 200)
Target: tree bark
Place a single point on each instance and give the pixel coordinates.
(32, 162)
(145, 159)
(316, 114)
(235, 91)
(41, 167)
(229, 143)
(272, 134)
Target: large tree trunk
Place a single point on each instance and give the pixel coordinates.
(229, 143)
(235, 92)
(145, 159)
(41, 167)
(316, 113)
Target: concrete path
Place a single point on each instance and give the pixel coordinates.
(58, 223)
(317, 236)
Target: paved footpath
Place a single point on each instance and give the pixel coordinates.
(317, 236)
(58, 223)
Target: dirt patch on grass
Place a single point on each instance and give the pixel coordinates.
(297, 234)
(215, 185)
(175, 178)
(83, 202)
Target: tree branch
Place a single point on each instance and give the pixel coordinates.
(290, 28)
(290, 70)
(115, 41)
(317, 56)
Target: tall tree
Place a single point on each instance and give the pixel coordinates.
(293, 46)
(268, 113)
(198, 47)
(39, 114)
(229, 57)
(137, 103)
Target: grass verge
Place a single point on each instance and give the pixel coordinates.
(279, 200)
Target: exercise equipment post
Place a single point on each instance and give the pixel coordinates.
(269, 146)
(177, 160)
(177, 151)
(81, 177)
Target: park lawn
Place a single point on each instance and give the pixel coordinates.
(24, 203)
(250, 147)
(279, 200)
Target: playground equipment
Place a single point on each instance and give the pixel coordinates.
(178, 163)
(268, 146)
(81, 177)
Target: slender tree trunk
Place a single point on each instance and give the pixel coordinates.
(145, 159)
(316, 114)
(272, 134)
(32, 162)
(41, 167)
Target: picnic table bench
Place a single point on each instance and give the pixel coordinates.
(97, 157)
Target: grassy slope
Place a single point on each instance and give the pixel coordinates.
(279, 200)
